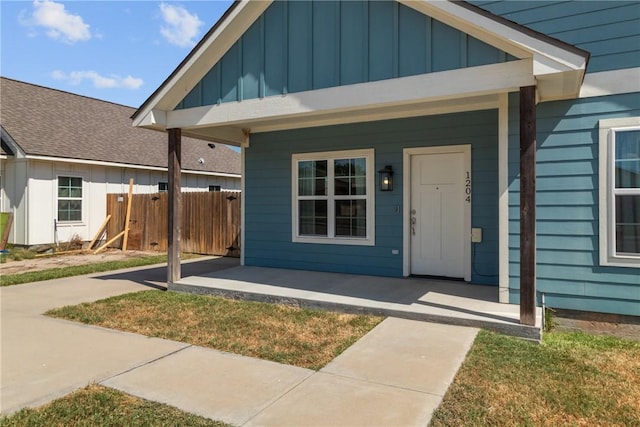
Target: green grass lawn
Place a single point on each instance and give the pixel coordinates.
(570, 379)
(300, 337)
(100, 406)
(77, 270)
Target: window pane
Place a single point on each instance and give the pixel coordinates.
(359, 186)
(351, 218)
(628, 224)
(341, 186)
(69, 210)
(627, 166)
(350, 177)
(312, 219)
(312, 178)
(69, 186)
(360, 167)
(341, 167)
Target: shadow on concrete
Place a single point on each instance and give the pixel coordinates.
(156, 277)
(384, 289)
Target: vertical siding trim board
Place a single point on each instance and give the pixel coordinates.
(261, 81)
(285, 56)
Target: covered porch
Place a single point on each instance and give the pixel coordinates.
(192, 102)
(430, 300)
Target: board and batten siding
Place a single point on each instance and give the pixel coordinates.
(609, 30)
(268, 240)
(31, 188)
(568, 270)
(305, 45)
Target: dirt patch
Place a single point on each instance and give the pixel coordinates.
(67, 260)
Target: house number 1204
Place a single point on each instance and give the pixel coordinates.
(467, 187)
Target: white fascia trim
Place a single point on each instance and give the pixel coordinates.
(460, 83)
(243, 15)
(126, 165)
(478, 103)
(613, 82)
(153, 119)
(548, 58)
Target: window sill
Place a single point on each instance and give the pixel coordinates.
(621, 261)
(334, 241)
(69, 223)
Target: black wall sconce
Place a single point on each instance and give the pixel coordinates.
(386, 178)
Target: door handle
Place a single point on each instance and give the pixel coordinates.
(413, 225)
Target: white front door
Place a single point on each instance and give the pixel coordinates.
(439, 209)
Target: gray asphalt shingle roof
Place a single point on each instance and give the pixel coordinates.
(49, 122)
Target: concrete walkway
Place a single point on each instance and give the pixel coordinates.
(395, 375)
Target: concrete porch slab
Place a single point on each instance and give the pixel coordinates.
(437, 301)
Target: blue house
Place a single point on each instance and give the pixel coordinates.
(495, 142)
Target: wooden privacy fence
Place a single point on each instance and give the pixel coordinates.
(210, 222)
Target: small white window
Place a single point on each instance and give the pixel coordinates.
(215, 188)
(620, 192)
(333, 197)
(69, 199)
(163, 187)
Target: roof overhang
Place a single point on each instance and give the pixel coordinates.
(11, 144)
(556, 68)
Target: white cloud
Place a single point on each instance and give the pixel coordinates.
(181, 28)
(59, 24)
(98, 81)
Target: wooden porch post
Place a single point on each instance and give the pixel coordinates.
(175, 206)
(528, 205)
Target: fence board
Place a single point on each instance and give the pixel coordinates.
(210, 222)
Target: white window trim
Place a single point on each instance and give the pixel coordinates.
(369, 240)
(163, 182)
(607, 130)
(59, 222)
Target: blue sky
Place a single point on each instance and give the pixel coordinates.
(118, 51)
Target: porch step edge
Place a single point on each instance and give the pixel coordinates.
(531, 333)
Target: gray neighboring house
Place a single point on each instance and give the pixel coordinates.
(61, 153)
